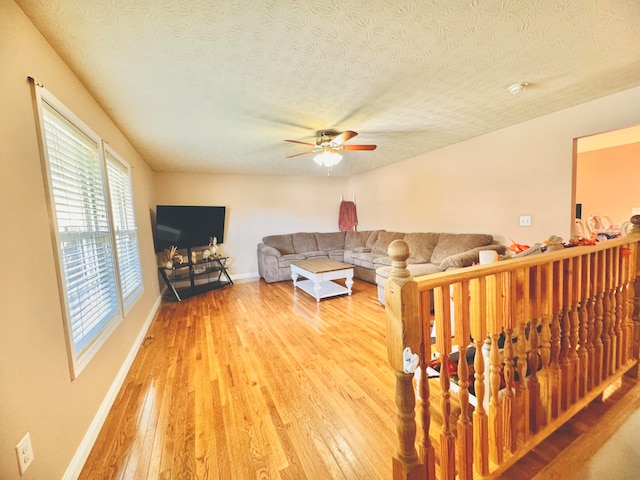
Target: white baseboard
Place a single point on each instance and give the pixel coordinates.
(83, 450)
(246, 276)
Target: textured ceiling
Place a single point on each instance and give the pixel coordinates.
(216, 86)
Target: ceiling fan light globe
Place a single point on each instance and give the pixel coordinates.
(327, 159)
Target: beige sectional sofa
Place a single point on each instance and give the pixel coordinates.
(367, 252)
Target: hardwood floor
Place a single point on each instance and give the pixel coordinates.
(256, 381)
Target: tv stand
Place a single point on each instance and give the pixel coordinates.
(188, 279)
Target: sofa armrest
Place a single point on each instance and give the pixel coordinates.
(468, 258)
(265, 249)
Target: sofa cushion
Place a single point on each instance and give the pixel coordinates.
(383, 241)
(285, 260)
(316, 254)
(354, 240)
(421, 246)
(330, 241)
(304, 242)
(382, 261)
(454, 243)
(360, 250)
(361, 259)
(283, 243)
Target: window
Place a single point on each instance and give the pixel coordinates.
(91, 207)
(124, 226)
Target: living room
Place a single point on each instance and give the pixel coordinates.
(482, 184)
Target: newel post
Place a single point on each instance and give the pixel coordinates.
(403, 343)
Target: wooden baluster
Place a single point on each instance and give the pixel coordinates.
(521, 316)
(556, 315)
(575, 280)
(565, 336)
(606, 318)
(533, 358)
(629, 291)
(617, 314)
(565, 344)
(508, 392)
(494, 327)
(591, 326)
(464, 440)
(546, 302)
(584, 351)
(442, 312)
(426, 449)
(618, 287)
(496, 431)
(479, 333)
(599, 317)
(625, 254)
(613, 305)
(403, 330)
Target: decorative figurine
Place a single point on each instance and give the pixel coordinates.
(169, 256)
(213, 243)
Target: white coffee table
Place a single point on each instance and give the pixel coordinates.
(319, 274)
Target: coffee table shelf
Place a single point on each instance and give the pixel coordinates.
(319, 275)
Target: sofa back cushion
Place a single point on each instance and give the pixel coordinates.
(282, 243)
(365, 238)
(304, 242)
(421, 246)
(454, 243)
(330, 241)
(383, 241)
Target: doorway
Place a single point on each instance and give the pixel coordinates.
(605, 172)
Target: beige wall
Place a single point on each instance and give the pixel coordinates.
(607, 181)
(484, 184)
(257, 205)
(36, 393)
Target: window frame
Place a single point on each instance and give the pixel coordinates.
(80, 353)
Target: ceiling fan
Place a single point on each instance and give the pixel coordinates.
(328, 144)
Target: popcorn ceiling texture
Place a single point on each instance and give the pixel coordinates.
(216, 86)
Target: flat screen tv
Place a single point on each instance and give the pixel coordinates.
(188, 226)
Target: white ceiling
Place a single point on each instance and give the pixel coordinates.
(217, 85)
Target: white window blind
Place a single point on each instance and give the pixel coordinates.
(124, 226)
(87, 223)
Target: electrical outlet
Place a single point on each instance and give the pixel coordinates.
(24, 450)
(525, 220)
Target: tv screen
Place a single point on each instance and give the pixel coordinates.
(188, 226)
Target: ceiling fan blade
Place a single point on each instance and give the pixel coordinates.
(302, 143)
(343, 137)
(298, 154)
(359, 147)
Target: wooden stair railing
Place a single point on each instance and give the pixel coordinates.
(520, 347)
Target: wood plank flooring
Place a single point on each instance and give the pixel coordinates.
(256, 381)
